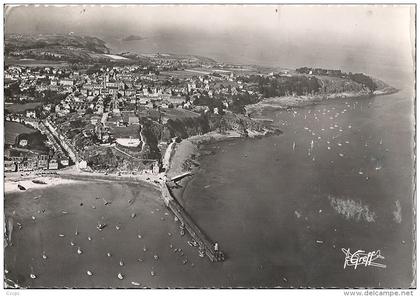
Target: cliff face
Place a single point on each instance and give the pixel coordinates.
(154, 133)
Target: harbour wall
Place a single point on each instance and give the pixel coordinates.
(206, 245)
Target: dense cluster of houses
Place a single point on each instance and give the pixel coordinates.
(30, 161)
(106, 98)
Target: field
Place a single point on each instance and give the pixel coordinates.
(21, 107)
(34, 63)
(12, 130)
(207, 71)
(126, 132)
(173, 114)
(179, 73)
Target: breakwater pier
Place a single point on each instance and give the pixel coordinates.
(205, 245)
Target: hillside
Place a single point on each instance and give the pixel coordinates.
(68, 47)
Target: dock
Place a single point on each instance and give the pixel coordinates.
(180, 176)
(206, 245)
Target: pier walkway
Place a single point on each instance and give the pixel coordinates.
(207, 246)
(180, 176)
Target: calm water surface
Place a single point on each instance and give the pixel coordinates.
(269, 205)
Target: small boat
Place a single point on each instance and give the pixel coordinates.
(33, 276)
(156, 257)
(35, 181)
(135, 283)
(120, 276)
(79, 251)
(108, 254)
(89, 273)
(121, 263)
(22, 188)
(100, 227)
(152, 273)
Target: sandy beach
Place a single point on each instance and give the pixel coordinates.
(145, 177)
(141, 242)
(140, 239)
(184, 155)
(27, 181)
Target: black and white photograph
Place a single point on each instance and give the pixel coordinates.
(209, 145)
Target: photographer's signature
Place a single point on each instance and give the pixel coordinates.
(362, 258)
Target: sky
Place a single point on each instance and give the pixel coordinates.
(349, 36)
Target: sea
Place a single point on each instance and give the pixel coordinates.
(286, 210)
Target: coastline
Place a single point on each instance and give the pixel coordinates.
(144, 178)
(11, 182)
(184, 156)
(179, 158)
(285, 102)
(73, 176)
